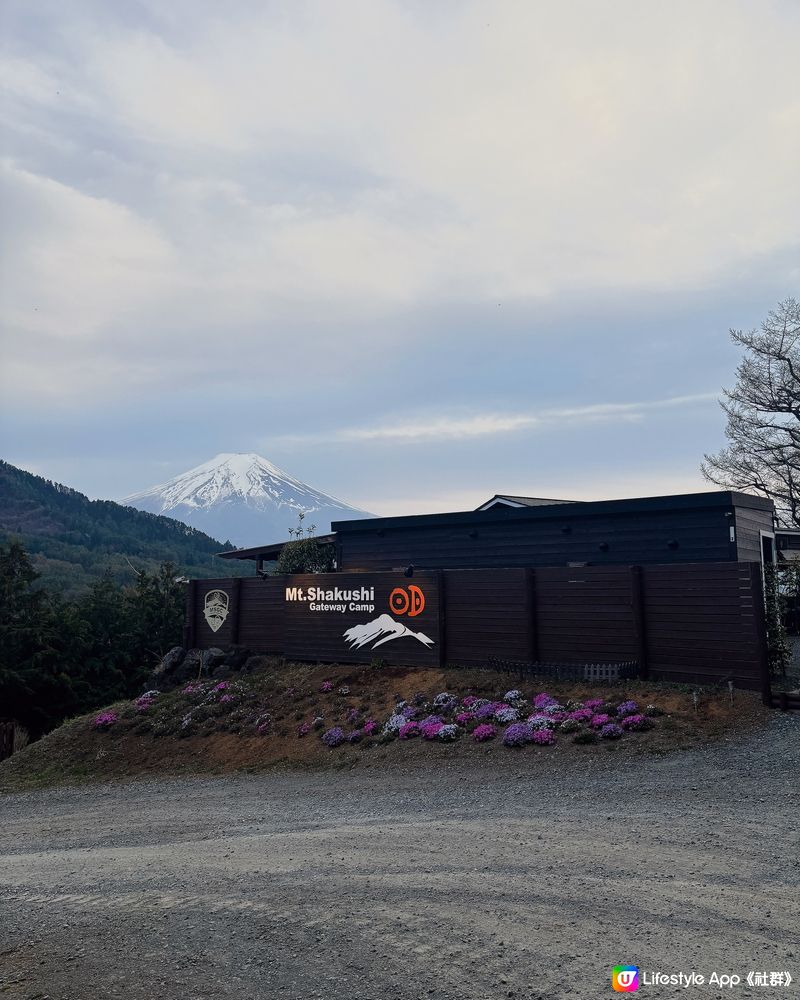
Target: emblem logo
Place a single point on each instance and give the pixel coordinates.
(407, 600)
(215, 609)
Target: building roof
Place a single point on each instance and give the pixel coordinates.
(271, 551)
(509, 500)
(566, 509)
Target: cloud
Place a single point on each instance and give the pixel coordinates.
(441, 429)
(304, 165)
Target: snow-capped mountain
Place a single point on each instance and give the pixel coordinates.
(384, 628)
(243, 498)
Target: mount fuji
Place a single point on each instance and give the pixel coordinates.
(243, 498)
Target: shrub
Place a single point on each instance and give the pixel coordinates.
(582, 715)
(517, 735)
(469, 701)
(448, 732)
(304, 729)
(594, 704)
(627, 708)
(513, 695)
(506, 714)
(355, 737)
(344, 690)
(394, 723)
(585, 736)
(541, 701)
(462, 718)
(431, 728)
(146, 700)
(570, 726)
(369, 727)
(653, 710)
(333, 737)
(409, 730)
(540, 722)
(485, 731)
(445, 702)
(544, 737)
(636, 723)
(105, 720)
(326, 686)
(597, 721)
(611, 731)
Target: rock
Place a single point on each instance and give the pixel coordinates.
(255, 663)
(170, 661)
(237, 656)
(213, 657)
(189, 668)
(221, 672)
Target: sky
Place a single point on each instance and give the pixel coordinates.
(414, 253)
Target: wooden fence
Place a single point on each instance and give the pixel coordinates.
(695, 623)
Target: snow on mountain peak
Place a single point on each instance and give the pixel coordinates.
(231, 489)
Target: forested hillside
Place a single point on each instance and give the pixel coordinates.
(74, 541)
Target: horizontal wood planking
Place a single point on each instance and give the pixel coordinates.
(700, 620)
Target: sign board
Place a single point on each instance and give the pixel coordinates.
(359, 617)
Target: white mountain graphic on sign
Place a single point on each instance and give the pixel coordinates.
(384, 628)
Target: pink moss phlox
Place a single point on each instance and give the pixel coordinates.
(326, 686)
(581, 715)
(430, 729)
(544, 737)
(594, 703)
(485, 731)
(409, 730)
(462, 718)
(369, 727)
(599, 720)
(541, 701)
(105, 720)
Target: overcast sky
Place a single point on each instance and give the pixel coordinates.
(414, 252)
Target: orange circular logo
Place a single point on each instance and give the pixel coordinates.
(407, 600)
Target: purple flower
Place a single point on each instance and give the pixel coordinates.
(355, 736)
(611, 731)
(462, 718)
(627, 708)
(409, 711)
(506, 714)
(146, 700)
(599, 720)
(469, 701)
(326, 686)
(518, 734)
(485, 711)
(557, 716)
(594, 703)
(484, 732)
(369, 727)
(333, 737)
(221, 686)
(408, 730)
(445, 702)
(636, 722)
(544, 737)
(304, 729)
(227, 697)
(581, 715)
(394, 723)
(105, 720)
(431, 728)
(541, 701)
(352, 716)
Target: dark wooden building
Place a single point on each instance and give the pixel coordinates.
(525, 532)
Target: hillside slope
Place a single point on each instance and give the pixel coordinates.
(73, 540)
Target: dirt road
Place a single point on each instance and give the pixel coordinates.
(431, 884)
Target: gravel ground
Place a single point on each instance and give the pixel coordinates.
(458, 882)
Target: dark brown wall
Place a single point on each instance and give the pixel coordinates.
(701, 536)
(693, 623)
